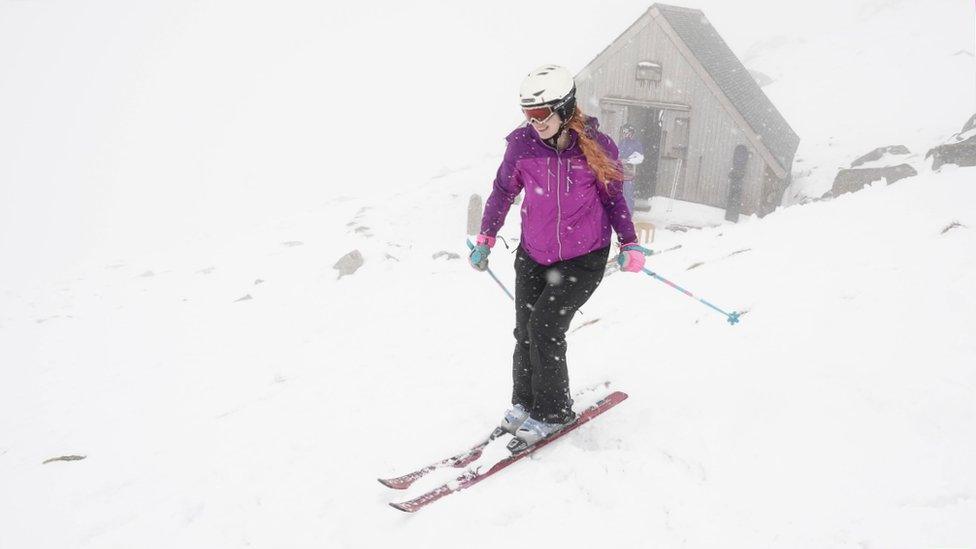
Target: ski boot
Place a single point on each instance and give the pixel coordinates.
(512, 421)
(532, 431)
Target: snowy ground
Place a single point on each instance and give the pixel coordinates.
(227, 390)
(897, 73)
(839, 413)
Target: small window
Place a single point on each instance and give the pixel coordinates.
(648, 72)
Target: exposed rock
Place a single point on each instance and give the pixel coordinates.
(960, 154)
(293, 243)
(953, 225)
(970, 124)
(848, 181)
(879, 153)
(680, 228)
(585, 324)
(960, 149)
(63, 458)
(449, 255)
(811, 199)
(258, 281)
(349, 263)
(55, 317)
(247, 297)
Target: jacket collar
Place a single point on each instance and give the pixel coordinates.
(573, 140)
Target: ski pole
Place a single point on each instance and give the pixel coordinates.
(732, 317)
(499, 282)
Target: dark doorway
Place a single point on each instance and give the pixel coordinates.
(647, 122)
(740, 158)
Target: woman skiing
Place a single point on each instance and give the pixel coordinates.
(573, 196)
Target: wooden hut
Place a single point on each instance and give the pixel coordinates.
(710, 134)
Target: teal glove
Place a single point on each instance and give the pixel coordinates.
(479, 254)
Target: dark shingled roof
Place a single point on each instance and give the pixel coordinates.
(734, 80)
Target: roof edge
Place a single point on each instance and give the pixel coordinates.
(713, 86)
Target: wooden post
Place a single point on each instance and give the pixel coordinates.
(475, 208)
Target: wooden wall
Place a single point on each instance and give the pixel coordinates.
(712, 132)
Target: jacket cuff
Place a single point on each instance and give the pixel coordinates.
(485, 240)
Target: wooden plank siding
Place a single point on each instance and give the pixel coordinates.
(713, 133)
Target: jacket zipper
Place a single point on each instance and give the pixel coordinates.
(548, 174)
(569, 173)
(559, 210)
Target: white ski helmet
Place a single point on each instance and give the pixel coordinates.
(550, 85)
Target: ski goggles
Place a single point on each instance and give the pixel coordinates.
(538, 115)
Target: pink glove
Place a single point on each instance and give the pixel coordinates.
(631, 258)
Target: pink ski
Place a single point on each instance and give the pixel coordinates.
(470, 478)
(462, 459)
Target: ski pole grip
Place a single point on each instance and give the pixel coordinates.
(637, 247)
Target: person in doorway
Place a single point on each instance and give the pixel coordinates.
(573, 197)
(632, 154)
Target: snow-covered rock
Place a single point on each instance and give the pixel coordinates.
(960, 149)
(855, 179)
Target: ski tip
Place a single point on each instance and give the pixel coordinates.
(395, 484)
(401, 507)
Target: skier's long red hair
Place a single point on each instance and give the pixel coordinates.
(605, 168)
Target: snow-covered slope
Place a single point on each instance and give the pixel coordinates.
(894, 73)
(167, 166)
(839, 413)
(133, 126)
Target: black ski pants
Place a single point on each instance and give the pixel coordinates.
(546, 299)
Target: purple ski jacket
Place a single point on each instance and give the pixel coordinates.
(566, 211)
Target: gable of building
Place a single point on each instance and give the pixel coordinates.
(733, 79)
(724, 74)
